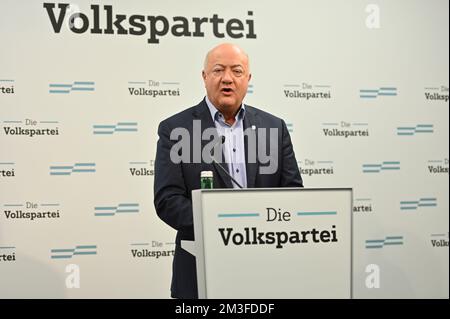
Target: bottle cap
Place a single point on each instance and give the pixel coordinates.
(206, 174)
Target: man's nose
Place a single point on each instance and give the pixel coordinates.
(227, 77)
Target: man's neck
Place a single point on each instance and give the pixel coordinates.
(229, 113)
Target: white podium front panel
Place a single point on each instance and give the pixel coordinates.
(273, 243)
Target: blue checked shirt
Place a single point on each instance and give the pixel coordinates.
(233, 147)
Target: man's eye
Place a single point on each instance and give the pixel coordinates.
(238, 72)
(217, 71)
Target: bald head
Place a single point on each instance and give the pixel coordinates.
(225, 48)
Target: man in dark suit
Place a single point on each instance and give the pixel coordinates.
(226, 76)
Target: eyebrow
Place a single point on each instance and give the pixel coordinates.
(233, 66)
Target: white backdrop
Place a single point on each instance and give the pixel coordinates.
(76, 198)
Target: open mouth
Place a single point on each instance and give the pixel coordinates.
(227, 90)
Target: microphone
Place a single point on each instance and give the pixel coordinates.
(222, 140)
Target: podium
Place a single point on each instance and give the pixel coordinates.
(273, 243)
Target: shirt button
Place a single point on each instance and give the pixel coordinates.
(234, 150)
(237, 171)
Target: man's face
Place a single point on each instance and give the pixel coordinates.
(226, 77)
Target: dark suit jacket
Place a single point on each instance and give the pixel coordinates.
(174, 182)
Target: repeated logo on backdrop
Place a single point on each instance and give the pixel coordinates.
(415, 129)
(116, 210)
(384, 243)
(436, 93)
(31, 212)
(141, 169)
(437, 166)
(152, 88)
(362, 205)
(6, 86)
(73, 252)
(72, 169)
(313, 167)
(376, 93)
(7, 254)
(7, 169)
(421, 204)
(74, 87)
(306, 91)
(346, 129)
(30, 128)
(155, 249)
(114, 128)
(439, 240)
(383, 167)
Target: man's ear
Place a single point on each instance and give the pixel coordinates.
(203, 75)
(249, 77)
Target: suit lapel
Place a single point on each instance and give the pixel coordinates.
(251, 122)
(202, 113)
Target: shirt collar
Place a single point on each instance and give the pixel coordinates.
(215, 112)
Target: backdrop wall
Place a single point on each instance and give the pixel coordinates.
(363, 87)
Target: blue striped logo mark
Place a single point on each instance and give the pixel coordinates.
(119, 127)
(7, 248)
(316, 213)
(119, 209)
(237, 215)
(69, 169)
(250, 89)
(411, 130)
(377, 168)
(388, 241)
(59, 88)
(374, 93)
(414, 205)
(70, 252)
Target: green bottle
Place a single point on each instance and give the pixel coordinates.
(206, 180)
